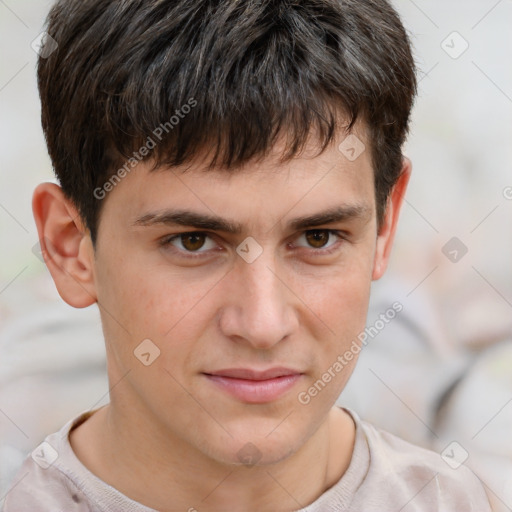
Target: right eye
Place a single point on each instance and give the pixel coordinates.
(189, 243)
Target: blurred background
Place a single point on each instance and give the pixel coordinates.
(439, 374)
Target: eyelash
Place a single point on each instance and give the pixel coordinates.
(166, 243)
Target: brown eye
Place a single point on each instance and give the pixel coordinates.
(192, 244)
(317, 238)
(320, 241)
(188, 243)
(192, 241)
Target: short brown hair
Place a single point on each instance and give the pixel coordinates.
(251, 69)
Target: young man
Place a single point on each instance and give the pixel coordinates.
(231, 177)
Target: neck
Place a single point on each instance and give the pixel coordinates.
(183, 478)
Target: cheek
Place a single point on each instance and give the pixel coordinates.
(341, 303)
(141, 302)
(344, 311)
(339, 296)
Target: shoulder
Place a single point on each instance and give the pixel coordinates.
(44, 482)
(45, 490)
(418, 477)
(53, 479)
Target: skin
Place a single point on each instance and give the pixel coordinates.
(170, 438)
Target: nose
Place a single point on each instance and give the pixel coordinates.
(259, 309)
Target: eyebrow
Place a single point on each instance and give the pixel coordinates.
(190, 218)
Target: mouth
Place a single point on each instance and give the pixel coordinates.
(253, 386)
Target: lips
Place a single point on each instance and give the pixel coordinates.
(247, 374)
(255, 386)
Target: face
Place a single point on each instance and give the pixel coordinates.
(225, 297)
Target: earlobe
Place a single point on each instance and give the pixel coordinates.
(387, 232)
(65, 244)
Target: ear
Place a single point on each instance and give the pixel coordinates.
(65, 244)
(387, 231)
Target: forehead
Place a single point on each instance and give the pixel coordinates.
(259, 192)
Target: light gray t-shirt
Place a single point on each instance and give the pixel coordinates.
(386, 474)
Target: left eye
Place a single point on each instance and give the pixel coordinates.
(319, 238)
